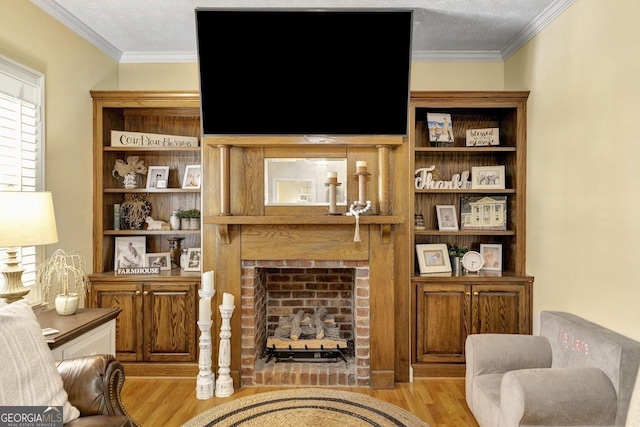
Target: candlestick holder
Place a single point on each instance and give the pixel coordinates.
(332, 197)
(224, 386)
(362, 175)
(205, 381)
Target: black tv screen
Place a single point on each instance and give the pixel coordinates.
(304, 72)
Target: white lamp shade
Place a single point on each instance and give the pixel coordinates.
(26, 219)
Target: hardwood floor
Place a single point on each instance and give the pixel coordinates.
(170, 402)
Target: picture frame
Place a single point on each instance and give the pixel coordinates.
(483, 212)
(158, 259)
(492, 255)
(433, 258)
(447, 217)
(192, 177)
(487, 177)
(155, 174)
(194, 259)
(129, 252)
(161, 184)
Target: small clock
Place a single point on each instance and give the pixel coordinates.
(472, 261)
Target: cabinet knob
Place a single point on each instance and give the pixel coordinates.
(468, 294)
(145, 293)
(137, 292)
(476, 293)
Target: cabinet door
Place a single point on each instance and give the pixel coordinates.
(127, 297)
(499, 308)
(170, 323)
(444, 317)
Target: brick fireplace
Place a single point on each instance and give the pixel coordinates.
(241, 235)
(273, 289)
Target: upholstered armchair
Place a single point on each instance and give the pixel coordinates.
(575, 373)
(93, 385)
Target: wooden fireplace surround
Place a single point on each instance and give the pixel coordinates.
(238, 226)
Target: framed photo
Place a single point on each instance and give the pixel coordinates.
(130, 252)
(160, 259)
(483, 213)
(156, 174)
(192, 176)
(433, 258)
(194, 258)
(447, 218)
(487, 177)
(161, 183)
(492, 254)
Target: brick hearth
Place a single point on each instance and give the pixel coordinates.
(271, 289)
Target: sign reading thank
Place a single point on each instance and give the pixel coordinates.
(138, 270)
(139, 139)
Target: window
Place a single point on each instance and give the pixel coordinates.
(22, 146)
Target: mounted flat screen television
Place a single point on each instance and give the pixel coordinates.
(304, 72)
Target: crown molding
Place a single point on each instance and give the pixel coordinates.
(157, 57)
(541, 21)
(457, 56)
(62, 15)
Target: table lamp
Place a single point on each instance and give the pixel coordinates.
(26, 219)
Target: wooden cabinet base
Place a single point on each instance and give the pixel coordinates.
(432, 370)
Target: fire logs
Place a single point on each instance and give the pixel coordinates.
(303, 325)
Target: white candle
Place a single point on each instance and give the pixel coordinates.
(332, 174)
(361, 164)
(227, 300)
(205, 310)
(207, 281)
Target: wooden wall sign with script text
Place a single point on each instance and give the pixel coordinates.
(153, 140)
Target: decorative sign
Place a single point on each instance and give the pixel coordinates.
(150, 271)
(154, 140)
(424, 180)
(483, 137)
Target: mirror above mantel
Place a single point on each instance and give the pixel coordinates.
(302, 181)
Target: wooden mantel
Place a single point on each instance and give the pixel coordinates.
(237, 226)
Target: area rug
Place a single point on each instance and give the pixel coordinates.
(306, 407)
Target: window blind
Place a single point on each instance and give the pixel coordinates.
(21, 144)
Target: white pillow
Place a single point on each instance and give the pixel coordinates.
(29, 376)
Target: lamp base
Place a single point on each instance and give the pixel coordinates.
(13, 289)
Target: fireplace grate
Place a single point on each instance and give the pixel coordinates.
(310, 355)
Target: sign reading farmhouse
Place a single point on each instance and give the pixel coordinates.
(138, 270)
(152, 140)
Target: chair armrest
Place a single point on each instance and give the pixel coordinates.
(557, 397)
(93, 384)
(500, 353)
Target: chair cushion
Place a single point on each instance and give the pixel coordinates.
(29, 376)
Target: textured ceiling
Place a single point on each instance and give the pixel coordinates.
(164, 30)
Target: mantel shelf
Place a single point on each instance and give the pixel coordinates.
(302, 220)
(223, 222)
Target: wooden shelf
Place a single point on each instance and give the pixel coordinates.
(153, 149)
(150, 190)
(465, 191)
(149, 232)
(465, 233)
(474, 150)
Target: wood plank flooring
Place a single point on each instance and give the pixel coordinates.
(170, 402)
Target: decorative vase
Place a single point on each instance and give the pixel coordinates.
(184, 223)
(130, 180)
(67, 304)
(456, 265)
(194, 223)
(174, 221)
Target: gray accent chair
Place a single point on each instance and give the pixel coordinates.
(575, 373)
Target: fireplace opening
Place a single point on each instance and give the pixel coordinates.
(302, 318)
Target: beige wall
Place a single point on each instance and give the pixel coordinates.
(582, 232)
(71, 67)
(583, 199)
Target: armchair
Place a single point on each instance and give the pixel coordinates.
(93, 385)
(574, 373)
